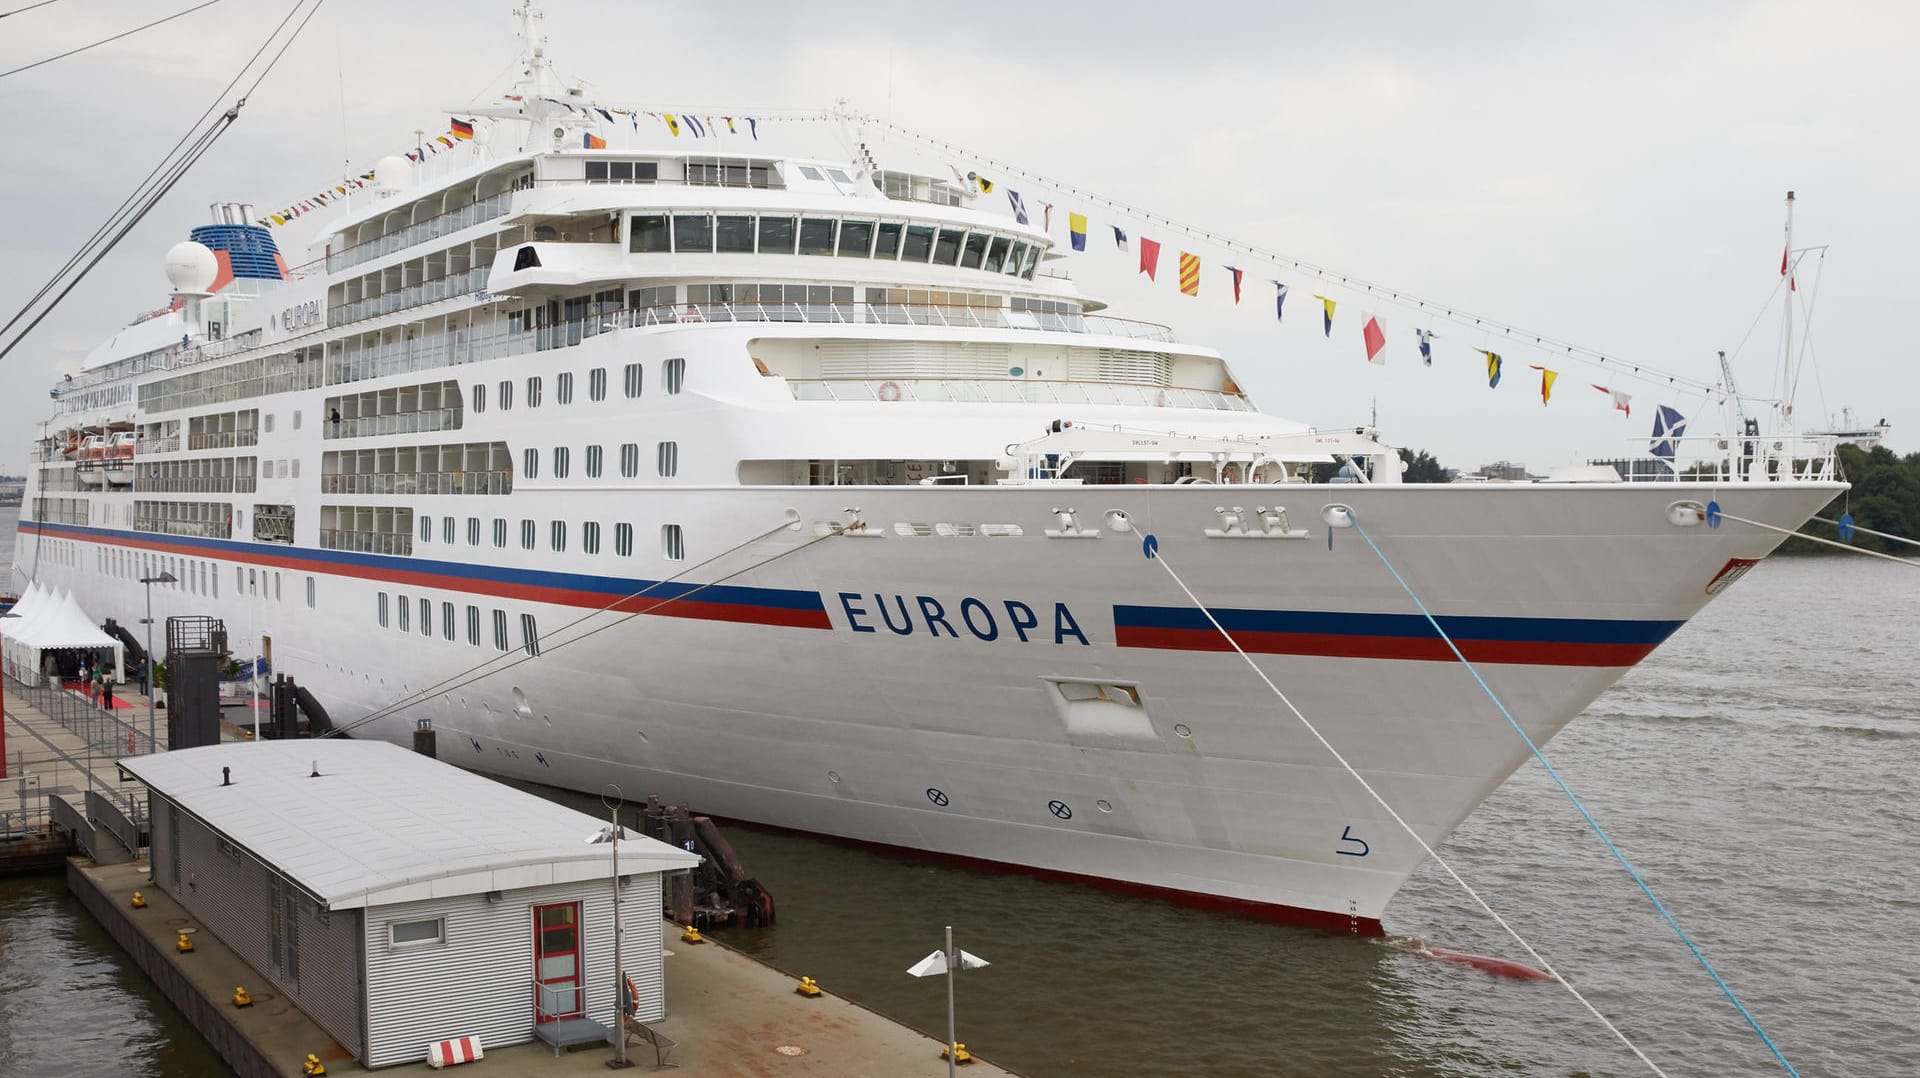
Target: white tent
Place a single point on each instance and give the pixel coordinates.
(51, 623)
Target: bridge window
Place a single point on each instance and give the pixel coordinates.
(918, 244)
(776, 235)
(692, 232)
(975, 250)
(856, 239)
(946, 249)
(649, 234)
(816, 235)
(997, 254)
(733, 234)
(886, 240)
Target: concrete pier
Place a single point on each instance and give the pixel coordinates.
(730, 1014)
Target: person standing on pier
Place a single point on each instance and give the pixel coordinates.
(105, 677)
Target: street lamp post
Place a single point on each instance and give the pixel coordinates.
(153, 745)
(948, 962)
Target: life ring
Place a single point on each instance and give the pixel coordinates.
(631, 1004)
(888, 391)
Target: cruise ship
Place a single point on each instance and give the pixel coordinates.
(810, 490)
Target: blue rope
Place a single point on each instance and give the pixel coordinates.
(1591, 822)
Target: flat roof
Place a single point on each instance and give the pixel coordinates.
(382, 825)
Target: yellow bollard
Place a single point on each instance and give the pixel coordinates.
(960, 1054)
(240, 997)
(807, 987)
(185, 944)
(692, 935)
(139, 901)
(313, 1065)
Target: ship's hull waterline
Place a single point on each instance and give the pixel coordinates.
(1039, 701)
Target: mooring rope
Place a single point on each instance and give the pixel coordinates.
(1555, 775)
(1861, 530)
(1151, 547)
(1716, 511)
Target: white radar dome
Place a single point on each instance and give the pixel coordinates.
(191, 267)
(392, 172)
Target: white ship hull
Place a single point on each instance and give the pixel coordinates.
(789, 696)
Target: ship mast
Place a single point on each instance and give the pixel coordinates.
(1786, 327)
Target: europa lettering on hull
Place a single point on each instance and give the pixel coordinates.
(903, 616)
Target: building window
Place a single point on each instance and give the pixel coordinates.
(590, 537)
(597, 384)
(563, 388)
(630, 459)
(533, 391)
(672, 545)
(623, 540)
(557, 536)
(674, 371)
(383, 610)
(669, 459)
(593, 462)
(530, 463)
(473, 626)
(499, 630)
(479, 397)
(631, 376)
(506, 395)
(530, 634)
(561, 463)
(405, 608)
(424, 933)
(499, 531)
(527, 532)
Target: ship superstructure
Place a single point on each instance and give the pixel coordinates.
(813, 492)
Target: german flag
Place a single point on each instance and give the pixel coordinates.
(462, 129)
(1189, 273)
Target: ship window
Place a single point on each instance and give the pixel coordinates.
(499, 531)
(692, 232)
(473, 531)
(309, 593)
(446, 529)
(623, 540)
(816, 235)
(810, 172)
(997, 254)
(1018, 256)
(506, 395)
(886, 240)
(405, 608)
(561, 463)
(672, 544)
(473, 626)
(597, 384)
(776, 235)
(669, 454)
(426, 529)
(593, 462)
(383, 610)
(673, 372)
(276, 587)
(839, 175)
(557, 536)
(630, 459)
(1033, 262)
(589, 537)
(918, 244)
(530, 633)
(269, 422)
(649, 234)
(856, 239)
(426, 616)
(447, 626)
(631, 379)
(733, 234)
(563, 388)
(530, 463)
(974, 251)
(527, 532)
(253, 586)
(296, 419)
(946, 250)
(499, 630)
(533, 391)
(479, 397)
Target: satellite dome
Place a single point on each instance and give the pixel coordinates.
(392, 172)
(191, 267)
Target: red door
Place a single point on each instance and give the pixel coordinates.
(556, 961)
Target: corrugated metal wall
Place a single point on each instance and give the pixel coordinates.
(160, 844)
(231, 894)
(480, 981)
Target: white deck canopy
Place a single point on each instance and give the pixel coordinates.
(367, 823)
(43, 621)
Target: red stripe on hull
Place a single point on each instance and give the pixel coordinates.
(1324, 920)
(1518, 652)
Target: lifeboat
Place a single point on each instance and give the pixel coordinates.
(91, 457)
(118, 458)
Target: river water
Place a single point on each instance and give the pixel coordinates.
(1760, 769)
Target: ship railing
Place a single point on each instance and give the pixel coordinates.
(458, 482)
(440, 288)
(196, 529)
(960, 391)
(1789, 458)
(444, 224)
(397, 423)
(161, 445)
(223, 439)
(193, 484)
(365, 542)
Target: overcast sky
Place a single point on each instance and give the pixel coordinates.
(1610, 176)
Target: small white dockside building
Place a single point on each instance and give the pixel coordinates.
(400, 901)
